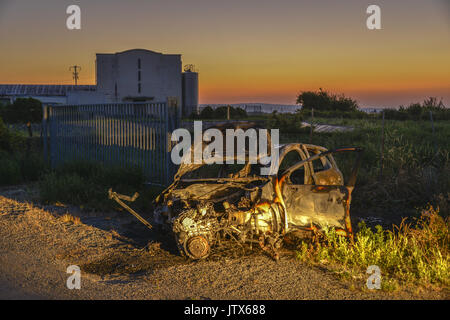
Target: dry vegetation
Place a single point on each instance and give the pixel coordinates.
(409, 254)
(69, 218)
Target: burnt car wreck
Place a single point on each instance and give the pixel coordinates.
(206, 203)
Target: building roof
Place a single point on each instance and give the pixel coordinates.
(136, 50)
(41, 89)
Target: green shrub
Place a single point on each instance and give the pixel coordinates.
(207, 113)
(23, 110)
(287, 123)
(417, 111)
(9, 169)
(11, 141)
(416, 253)
(19, 168)
(235, 113)
(5, 137)
(323, 100)
(32, 166)
(221, 113)
(17, 162)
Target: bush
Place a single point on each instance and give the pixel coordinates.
(32, 166)
(287, 123)
(7, 139)
(9, 170)
(23, 110)
(322, 100)
(4, 136)
(207, 113)
(17, 162)
(221, 113)
(417, 111)
(17, 168)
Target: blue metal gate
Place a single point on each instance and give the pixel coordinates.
(124, 134)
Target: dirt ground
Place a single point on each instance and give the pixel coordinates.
(120, 259)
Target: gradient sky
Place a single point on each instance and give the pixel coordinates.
(245, 50)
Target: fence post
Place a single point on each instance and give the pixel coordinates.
(311, 125)
(171, 108)
(382, 149)
(45, 131)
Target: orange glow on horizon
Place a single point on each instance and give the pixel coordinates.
(245, 51)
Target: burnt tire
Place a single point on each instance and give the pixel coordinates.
(196, 248)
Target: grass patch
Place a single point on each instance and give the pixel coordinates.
(86, 184)
(18, 167)
(20, 157)
(70, 218)
(413, 253)
(9, 170)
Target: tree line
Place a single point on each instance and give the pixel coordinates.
(329, 105)
(220, 113)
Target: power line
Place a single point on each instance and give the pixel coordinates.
(75, 72)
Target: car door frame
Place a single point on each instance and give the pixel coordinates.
(349, 186)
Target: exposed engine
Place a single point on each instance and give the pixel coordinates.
(198, 229)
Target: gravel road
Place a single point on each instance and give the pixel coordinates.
(120, 259)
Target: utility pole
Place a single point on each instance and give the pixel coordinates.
(75, 69)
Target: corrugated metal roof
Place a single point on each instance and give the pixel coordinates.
(41, 89)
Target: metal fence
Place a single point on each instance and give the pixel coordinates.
(124, 134)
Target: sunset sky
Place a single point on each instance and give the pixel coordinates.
(245, 50)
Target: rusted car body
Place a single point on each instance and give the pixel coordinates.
(305, 197)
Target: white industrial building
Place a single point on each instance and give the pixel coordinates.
(136, 75)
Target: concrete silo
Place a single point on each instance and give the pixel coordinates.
(190, 90)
